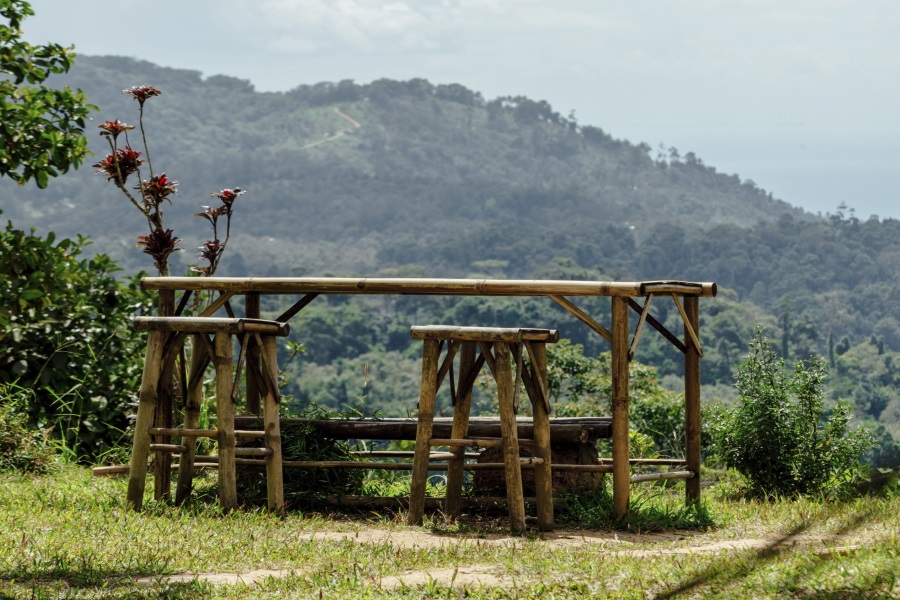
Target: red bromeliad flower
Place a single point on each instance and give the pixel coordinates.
(142, 92)
(159, 244)
(211, 214)
(114, 128)
(126, 161)
(228, 196)
(159, 188)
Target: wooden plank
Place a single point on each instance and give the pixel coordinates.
(621, 469)
(482, 334)
(689, 475)
(583, 317)
(210, 325)
(562, 431)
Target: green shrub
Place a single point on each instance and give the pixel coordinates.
(779, 435)
(23, 449)
(65, 334)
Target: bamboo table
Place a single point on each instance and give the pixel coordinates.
(622, 339)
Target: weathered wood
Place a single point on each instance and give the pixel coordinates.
(621, 469)
(657, 326)
(470, 442)
(689, 475)
(165, 396)
(274, 468)
(648, 461)
(225, 416)
(644, 313)
(682, 288)
(297, 307)
(513, 472)
(583, 317)
(252, 394)
(140, 451)
(562, 430)
(250, 451)
(689, 329)
(461, 408)
(427, 392)
(692, 401)
(543, 475)
(192, 405)
(482, 334)
(170, 448)
(210, 325)
(218, 303)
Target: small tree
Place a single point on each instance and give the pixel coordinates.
(779, 436)
(41, 128)
(152, 193)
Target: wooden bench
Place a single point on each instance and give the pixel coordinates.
(498, 348)
(167, 337)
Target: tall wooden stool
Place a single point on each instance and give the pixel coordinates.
(167, 336)
(497, 347)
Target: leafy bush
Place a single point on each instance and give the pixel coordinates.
(23, 449)
(65, 335)
(780, 437)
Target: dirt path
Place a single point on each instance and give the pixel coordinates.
(356, 125)
(614, 543)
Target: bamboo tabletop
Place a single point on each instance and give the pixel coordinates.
(423, 286)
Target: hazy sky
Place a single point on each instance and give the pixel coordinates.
(801, 96)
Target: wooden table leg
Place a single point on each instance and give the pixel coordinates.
(509, 430)
(427, 392)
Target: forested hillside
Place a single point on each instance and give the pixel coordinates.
(411, 179)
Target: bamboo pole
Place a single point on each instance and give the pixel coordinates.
(231, 325)
(423, 286)
(252, 311)
(621, 469)
(460, 428)
(562, 431)
(162, 479)
(688, 475)
(582, 316)
(140, 451)
(482, 334)
(192, 405)
(427, 393)
(513, 471)
(692, 399)
(225, 415)
(271, 401)
(543, 475)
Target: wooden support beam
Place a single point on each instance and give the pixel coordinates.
(621, 469)
(297, 307)
(218, 303)
(644, 312)
(583, 317)
(689, 328)
(673, 339)
(692, 400)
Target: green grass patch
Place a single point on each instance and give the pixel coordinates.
(67, 535)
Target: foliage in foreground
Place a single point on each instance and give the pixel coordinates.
(23, 449)
(65, 335)
(780, 437)
(41, 128)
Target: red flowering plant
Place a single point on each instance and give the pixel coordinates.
(149, 195)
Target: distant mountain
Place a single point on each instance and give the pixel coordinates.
(369, 169)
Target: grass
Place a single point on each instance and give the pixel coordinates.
(66, 535)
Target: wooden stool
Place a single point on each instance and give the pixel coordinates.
(167, 335)
(496, 346)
